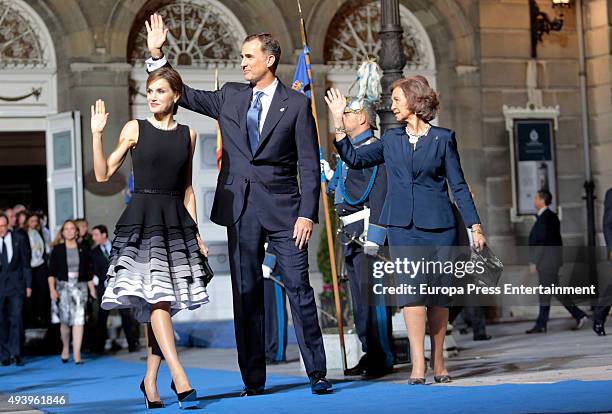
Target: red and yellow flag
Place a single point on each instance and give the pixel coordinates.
(219, 142)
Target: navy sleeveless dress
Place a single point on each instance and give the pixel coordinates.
(155, 255)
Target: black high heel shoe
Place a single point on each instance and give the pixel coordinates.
(186, 396)
(150, 404)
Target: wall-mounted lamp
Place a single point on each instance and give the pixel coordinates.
(541, 23)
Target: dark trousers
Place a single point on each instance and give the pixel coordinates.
(601, 311)
(473, 315)
(11, 325)
(372, 320)
(246, 251)
(102, 330)
(275, 320)
(547, 278)
(37, 308)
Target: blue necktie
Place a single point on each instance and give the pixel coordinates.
(253, 116)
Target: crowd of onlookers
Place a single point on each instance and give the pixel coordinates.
(51, 288)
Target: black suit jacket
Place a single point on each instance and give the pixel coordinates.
(287, 146)
(100, 266)
(607, 219)
(58, 263)
(545, 242)
(17, 276)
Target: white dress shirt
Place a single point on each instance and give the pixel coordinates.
(543, 209)
(106, 246)
(266, 101)
(8, 239)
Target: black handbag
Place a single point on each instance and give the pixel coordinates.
(208, 272)
(492, 265)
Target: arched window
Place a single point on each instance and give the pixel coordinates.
(201, 33)
(24, 39)
(353, 36)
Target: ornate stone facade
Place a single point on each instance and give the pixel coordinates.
(21, 43)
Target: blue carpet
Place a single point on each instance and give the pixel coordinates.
(213, 334)
(107, 385)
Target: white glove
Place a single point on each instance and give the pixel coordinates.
(370, 248)
(326, 169)
(266, 271)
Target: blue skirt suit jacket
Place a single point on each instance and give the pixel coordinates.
(417, 209)
(417, 191)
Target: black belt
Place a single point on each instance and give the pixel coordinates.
(156, 191)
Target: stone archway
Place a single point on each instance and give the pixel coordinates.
(201, 33)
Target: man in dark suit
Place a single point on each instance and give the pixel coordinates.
(600, 313)
(546, 257)
(269, 138)
(99, 256)
(15, 280)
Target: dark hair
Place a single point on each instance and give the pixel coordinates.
(546, 196)
(101, 228)
(173, 78)
(269, 45)
(422, 99)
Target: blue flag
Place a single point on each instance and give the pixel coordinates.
(301, 81)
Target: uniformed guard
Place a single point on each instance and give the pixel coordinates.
(275, 308)
(358, 197)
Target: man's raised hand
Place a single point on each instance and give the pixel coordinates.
(156, 34)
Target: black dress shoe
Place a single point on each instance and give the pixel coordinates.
(536, 329)
(482, 337)
(370, 373)
(416, 381)
(320, 385)
(6, 362)
(359, 368)
(250, 391)
(18, 361)
(599, 329)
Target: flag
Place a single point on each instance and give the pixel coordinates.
(301, 80)
(129, 189)
(219, 145)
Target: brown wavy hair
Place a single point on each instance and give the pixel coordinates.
(422, 98)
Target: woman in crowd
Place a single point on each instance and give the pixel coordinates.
(420, 159)
(40, 305)
(84, 237)
(69, 281)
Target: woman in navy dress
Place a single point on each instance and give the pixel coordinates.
(420, 159)
(157, 259)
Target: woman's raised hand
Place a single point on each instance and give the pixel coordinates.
(336, 102)
(99, 116)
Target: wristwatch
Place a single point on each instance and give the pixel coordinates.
(154, 58)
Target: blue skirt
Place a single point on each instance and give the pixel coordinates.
(433, 251)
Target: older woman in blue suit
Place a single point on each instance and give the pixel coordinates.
(420, 160)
